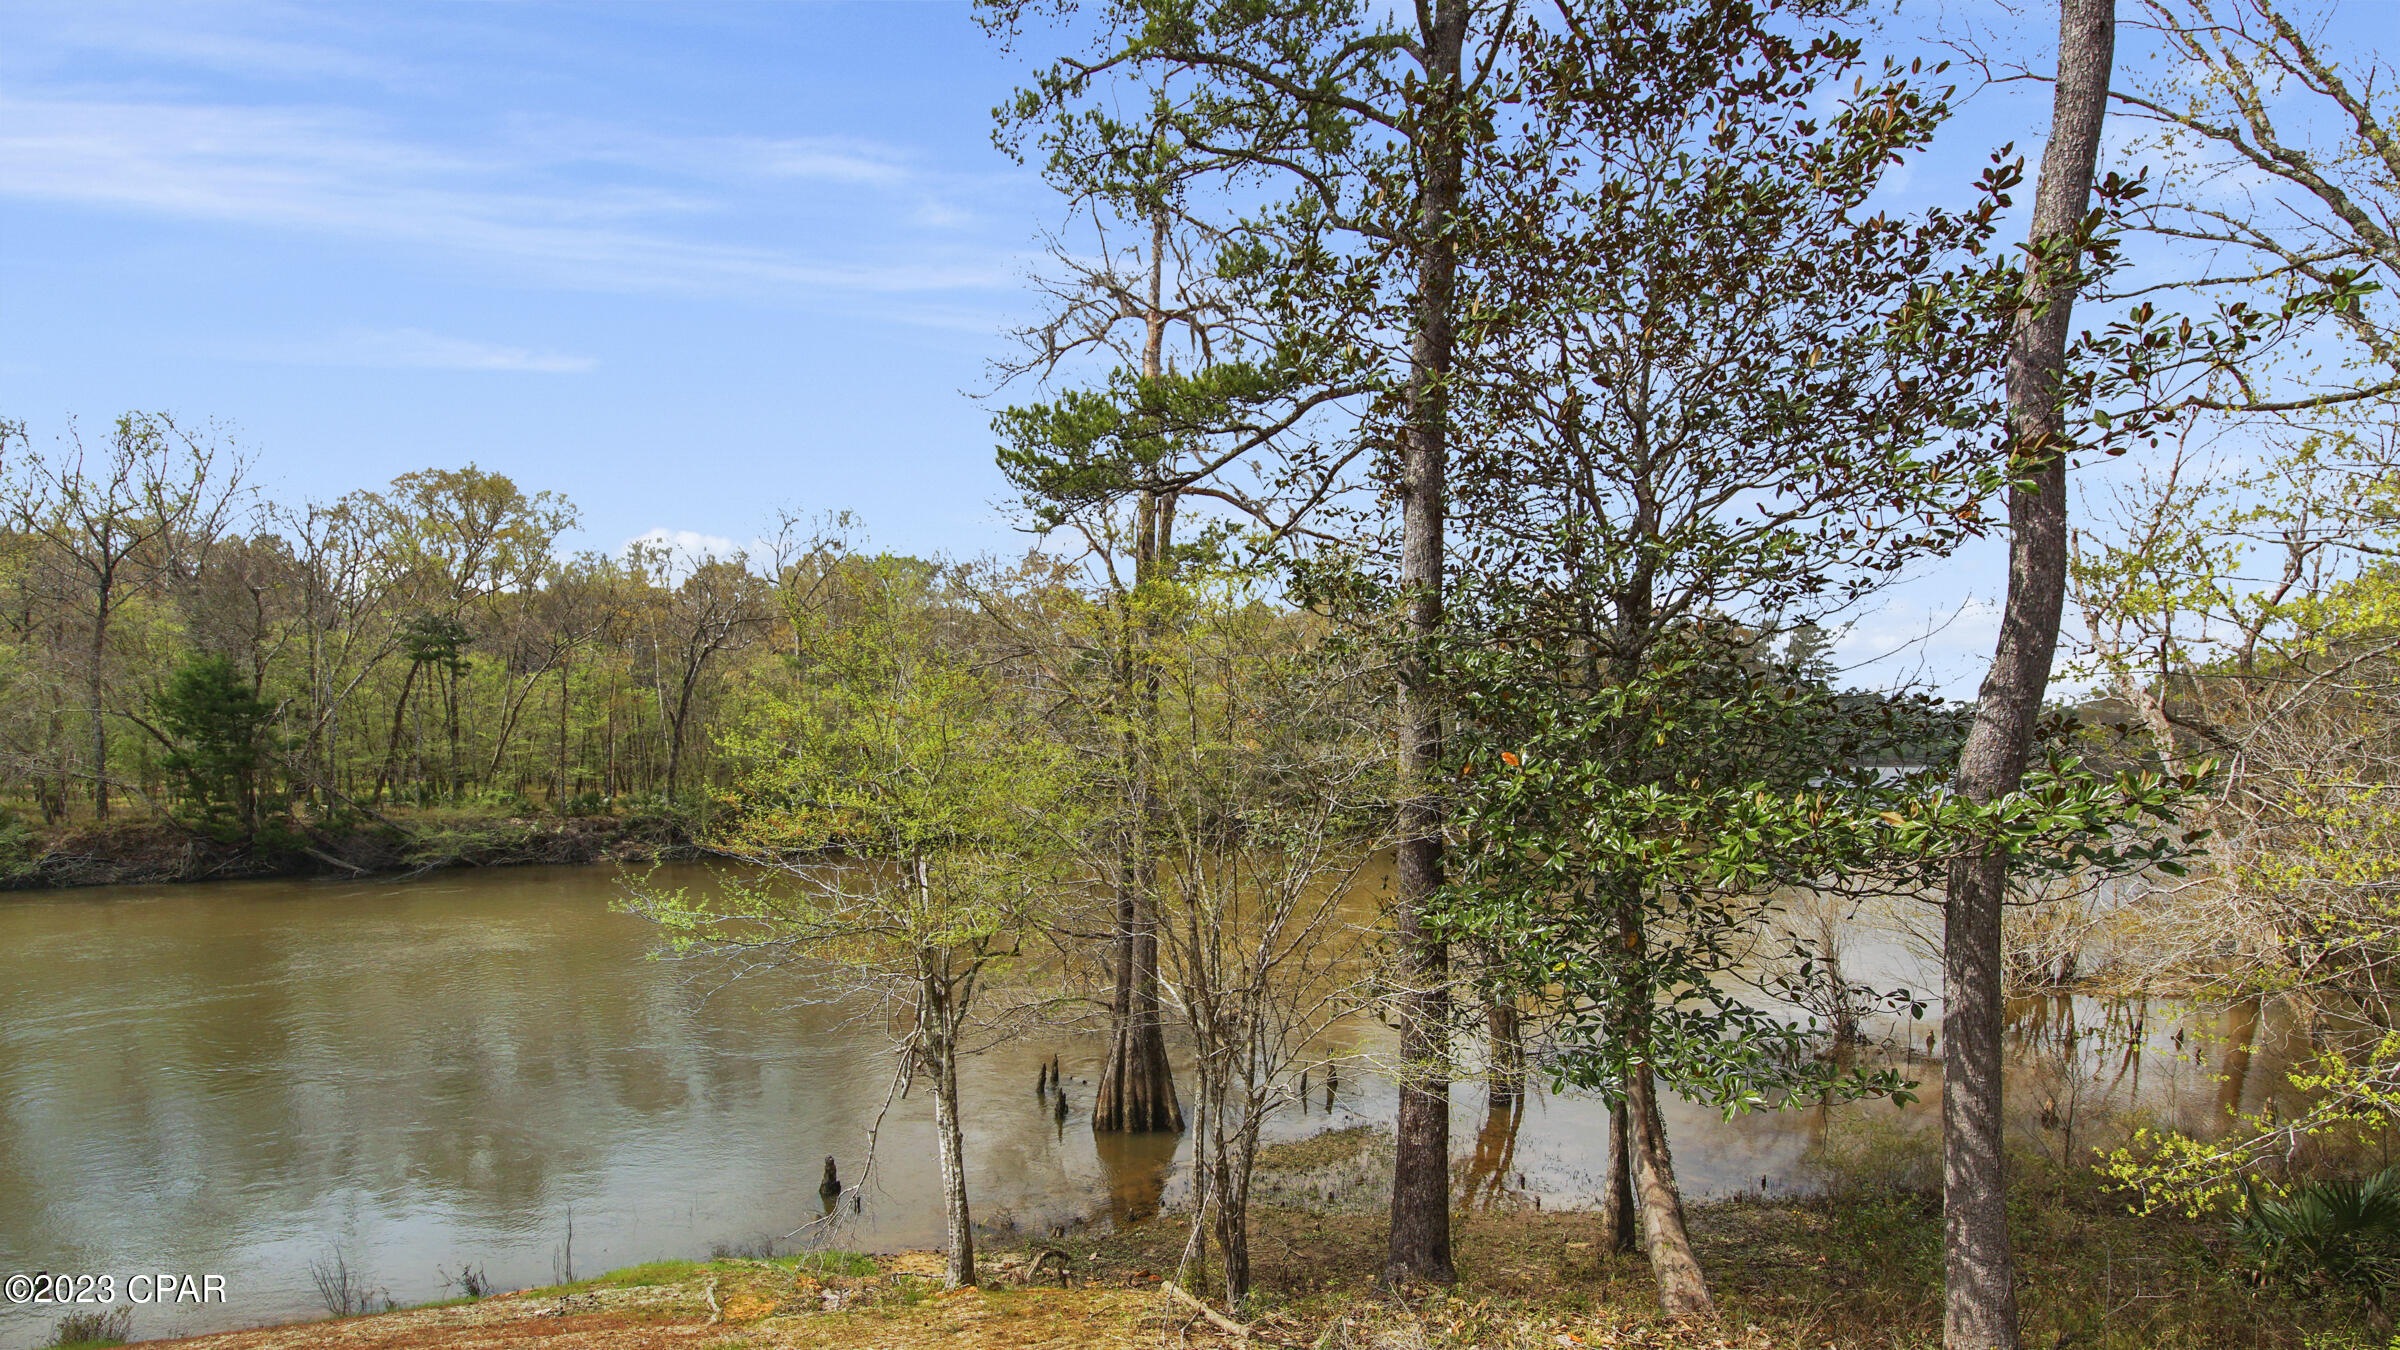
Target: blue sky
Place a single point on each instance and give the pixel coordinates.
(686, 263)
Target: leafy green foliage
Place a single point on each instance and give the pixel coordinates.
(2345, 1231)
(895, 741)
(19, 847)
(1689, 790)
(902, 810)
(438, 640)
(223, 737)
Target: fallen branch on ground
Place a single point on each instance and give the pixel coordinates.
(1200, 1305)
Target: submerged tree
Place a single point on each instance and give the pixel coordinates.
(1112, 467)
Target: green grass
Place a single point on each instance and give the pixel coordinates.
(652, 1273)
(855, 1264)
(90, 1328)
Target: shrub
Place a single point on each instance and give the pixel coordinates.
(223, 739)
(20, 848)
(346, 1292)
(470, 1281)
(94, 1327)
(2344, 1232)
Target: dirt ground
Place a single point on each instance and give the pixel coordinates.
(762, 1305)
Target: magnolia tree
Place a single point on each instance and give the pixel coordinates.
(1717, 399)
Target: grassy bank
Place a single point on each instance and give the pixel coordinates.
(1856, 1268)
(148, 851)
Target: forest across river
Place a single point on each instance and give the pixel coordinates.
(481, 1068)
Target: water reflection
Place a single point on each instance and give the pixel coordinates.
(1487, 1177)
(241, 1079)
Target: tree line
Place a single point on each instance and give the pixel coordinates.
(239, 665)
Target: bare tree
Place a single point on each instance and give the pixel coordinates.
(2282, 151)
(718, 606)
(121, 525)
(1272, 758)
(347, 625)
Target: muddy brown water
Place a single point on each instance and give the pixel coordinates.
(482, 1068)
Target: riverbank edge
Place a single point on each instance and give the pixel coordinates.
(1856, 1268)
(816, 1300)
(156, 852)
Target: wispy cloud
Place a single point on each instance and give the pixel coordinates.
(255, 40)
(834, 160)
(532, 202)
(254, 57)
(1920, 641)
(416, 349)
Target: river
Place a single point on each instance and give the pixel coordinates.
(485, 1068)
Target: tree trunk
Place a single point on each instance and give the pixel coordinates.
(54, 795)
(1979, 1290)
(2233, 1077)
(957, 1225)
(391, 754)
(1682, 1289)
(683, 713)
(940, 1059)
(1232, 1193)
(1420, 1229)
(1616, 1213)
(560, 794)
(1137, 1083)
(95, 689)
(450, 713)
(511, 708)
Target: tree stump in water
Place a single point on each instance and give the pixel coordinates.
(1137, 1085)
